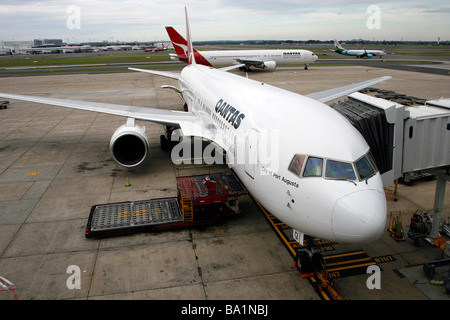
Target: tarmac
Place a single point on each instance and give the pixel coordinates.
(55, 164)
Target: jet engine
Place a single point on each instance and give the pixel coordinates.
(129, 144)
(270, 65)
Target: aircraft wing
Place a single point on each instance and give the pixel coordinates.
(328, 95)
(235, 66)
(251, 62)
(180, 119)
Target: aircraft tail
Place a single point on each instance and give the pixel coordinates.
(181, 48)
(337, 44)
(190, 48)
(337, 47)
(179, 43)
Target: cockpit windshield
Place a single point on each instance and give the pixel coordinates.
(339, 170)
(311, 166)
(297, 164)
(365, 168)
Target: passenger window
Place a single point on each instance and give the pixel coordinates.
(339, 170)
(364, 168)
(313, 167)
(297, 164)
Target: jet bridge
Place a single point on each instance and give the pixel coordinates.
(404, 139)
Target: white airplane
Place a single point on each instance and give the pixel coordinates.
(360, 53)
(262, 59)
(319, 179)
(6, 51)
(162, 48)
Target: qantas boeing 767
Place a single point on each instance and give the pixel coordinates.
(261, 59)
(303, 161)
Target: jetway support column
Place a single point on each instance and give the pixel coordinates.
(439, 196)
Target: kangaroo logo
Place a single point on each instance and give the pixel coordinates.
(183, 47)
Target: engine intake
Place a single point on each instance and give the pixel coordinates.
(129, 144)
(270, 65)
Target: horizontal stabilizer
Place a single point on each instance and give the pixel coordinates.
(178, 57)
(172, 75)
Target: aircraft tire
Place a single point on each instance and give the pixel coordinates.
(163, 142)
(304, 263)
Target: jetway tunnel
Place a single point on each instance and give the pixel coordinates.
(371, 122)
(404, 139)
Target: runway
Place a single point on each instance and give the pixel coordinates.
(55, 164)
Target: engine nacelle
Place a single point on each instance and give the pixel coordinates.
(129, 144)
(270, 65)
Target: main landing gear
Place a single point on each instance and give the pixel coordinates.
(245, 69)
(166, 139)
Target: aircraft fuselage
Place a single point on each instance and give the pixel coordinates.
(230, 57)
(262, 128)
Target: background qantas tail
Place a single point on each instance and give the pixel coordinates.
(179, 43)
(181, 48)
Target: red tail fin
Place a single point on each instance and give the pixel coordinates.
(182, 48)
(179, 43)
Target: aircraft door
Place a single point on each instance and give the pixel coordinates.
(251, 152)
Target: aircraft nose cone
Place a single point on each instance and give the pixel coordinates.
(360, 217)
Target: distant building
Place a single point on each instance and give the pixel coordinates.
(13, 46)
(48, 43)
(37, 43)
(55, 42)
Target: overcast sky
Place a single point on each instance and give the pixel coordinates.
(139, 20)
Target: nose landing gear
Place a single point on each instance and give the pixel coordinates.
(309, 261)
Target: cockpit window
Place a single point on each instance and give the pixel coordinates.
(313, 167)
(339, 170)
(360, 170)
(365, 168)
(297, 164)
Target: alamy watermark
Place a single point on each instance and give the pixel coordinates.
(252, 148)
(374, 280)
(73, 21)
(374, 19)
(74, 280)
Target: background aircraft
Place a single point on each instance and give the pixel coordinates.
(360, 53)
(262, 59)
(302, 160)
(6, 51)
(163, 48)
